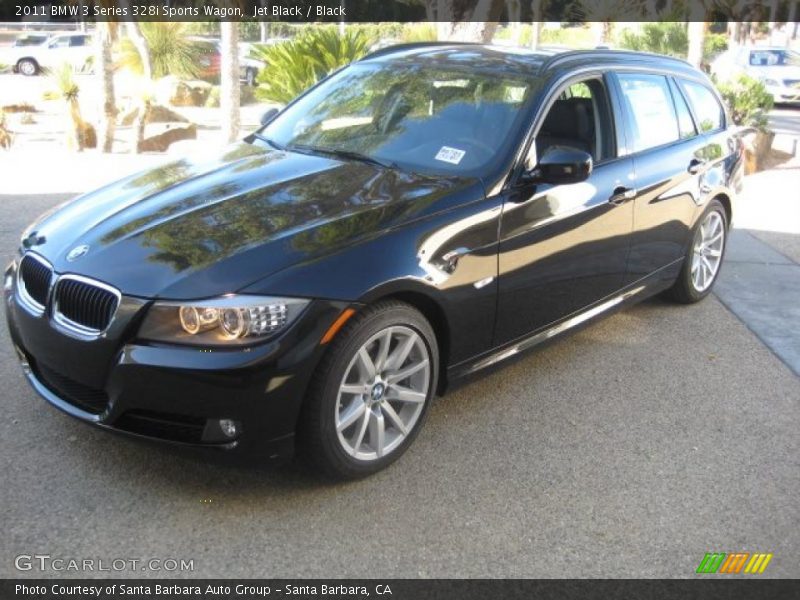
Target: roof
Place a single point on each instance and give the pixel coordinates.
(538, 62)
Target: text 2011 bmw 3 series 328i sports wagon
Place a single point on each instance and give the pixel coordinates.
(412, 219)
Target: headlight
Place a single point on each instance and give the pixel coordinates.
(228, 320)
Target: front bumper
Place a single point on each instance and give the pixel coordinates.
(172, 393)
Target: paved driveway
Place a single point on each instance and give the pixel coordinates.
(627, 450)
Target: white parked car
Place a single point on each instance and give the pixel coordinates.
(249, 67)
(777, 68)
(73, 48)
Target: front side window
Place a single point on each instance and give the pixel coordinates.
(706, 107)
(579, 118)
(651, 112)
(60, 42)
(438, 119)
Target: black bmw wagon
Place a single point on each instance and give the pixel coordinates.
(414, 218)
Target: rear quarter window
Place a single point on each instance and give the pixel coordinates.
(707, 109)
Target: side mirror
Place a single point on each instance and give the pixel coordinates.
(562, 165)
(268, 116)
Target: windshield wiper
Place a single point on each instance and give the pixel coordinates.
(272, 143)
(346, 154)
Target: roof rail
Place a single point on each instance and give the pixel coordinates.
(566, 56)
(413, 46)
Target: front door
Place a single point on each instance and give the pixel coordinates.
(565, 247)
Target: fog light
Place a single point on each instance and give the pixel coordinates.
(228, 427)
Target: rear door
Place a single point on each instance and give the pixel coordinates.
(668, 158)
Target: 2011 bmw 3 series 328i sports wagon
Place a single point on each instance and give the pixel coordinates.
(414, 218)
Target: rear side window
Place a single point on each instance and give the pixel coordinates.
(650, 109)
(686, 127)
(77, 40)
(705, 105)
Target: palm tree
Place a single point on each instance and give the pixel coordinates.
(106, 34)
(171, 50)
(229, 80)
(466, 20)
(537, 11)
(697, 35)
(80, 134)
(140, 43)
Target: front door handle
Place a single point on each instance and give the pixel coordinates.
(696, 165)
(621, 195)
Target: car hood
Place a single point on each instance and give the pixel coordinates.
(193, 228)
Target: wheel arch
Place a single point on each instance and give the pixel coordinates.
(435, 315)
(725, 200)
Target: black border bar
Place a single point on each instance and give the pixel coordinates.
(318, 11)
(711, 587)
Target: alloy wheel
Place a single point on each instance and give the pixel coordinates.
(709, 243)
(383, 393)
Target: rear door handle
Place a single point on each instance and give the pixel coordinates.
(621, 195)
(696, 165)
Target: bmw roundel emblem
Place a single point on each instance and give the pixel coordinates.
(77, 252)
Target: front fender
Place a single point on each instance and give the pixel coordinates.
(449, 258)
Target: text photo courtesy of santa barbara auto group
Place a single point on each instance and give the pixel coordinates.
(399, 299)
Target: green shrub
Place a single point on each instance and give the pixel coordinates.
(748, 101)
(670, 38)
(714, 43)
(296, 65)
(419, 32)
(213, 98)
(171, 50)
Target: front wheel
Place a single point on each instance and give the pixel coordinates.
(704, 258)
(28, 67)
(371, 392)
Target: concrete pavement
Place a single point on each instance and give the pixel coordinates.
(627, 450)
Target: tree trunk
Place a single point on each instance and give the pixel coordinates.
(468, 20)
(140, 43)
(229, 81)
(262, 25)
(697, 34)
(75, 137)
(791, 23)
(537, 10)
(105, 71)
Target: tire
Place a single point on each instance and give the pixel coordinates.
(28, 67)
(345, 449)
(691, 286)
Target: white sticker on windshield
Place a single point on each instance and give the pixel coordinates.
(451, 155)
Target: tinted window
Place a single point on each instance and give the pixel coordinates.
(60, 42)
(686, 127)
(706, 107)
(438, 118)
(579, 118)
(78, 40)
(772, 58)
(649, 105)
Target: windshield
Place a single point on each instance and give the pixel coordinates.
(771, 58)
(439, 120)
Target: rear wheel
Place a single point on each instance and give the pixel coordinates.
(371, 393)
(704, 258)
(28, 67)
